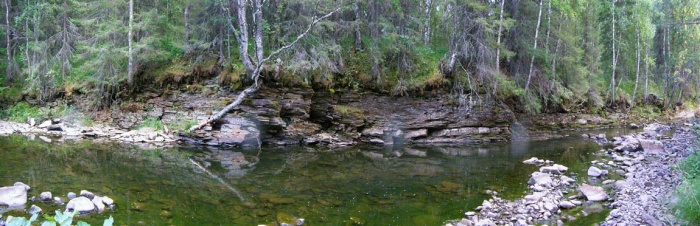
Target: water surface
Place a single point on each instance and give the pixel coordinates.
(360, 185)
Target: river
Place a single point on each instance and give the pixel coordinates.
(411, 185)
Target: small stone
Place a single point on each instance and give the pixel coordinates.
(594, 171)
(45, 196)
(71, 195)
(34, 210)
(593, 193)
(107, 201)
(567, 205)
(81, 204)
(57, 201)
(469, 214)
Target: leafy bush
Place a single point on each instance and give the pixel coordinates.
(62, 219)
(152, 122)
(688, 206)
(20, 111)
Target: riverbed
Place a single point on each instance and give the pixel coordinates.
(375, 185)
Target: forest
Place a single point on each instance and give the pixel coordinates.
(537, 56)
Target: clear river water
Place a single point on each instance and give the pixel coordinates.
(369, 185)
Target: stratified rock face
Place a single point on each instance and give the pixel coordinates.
(593, 193)
(13, 196)
(237, 131)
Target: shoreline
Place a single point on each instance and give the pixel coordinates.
(643, 195)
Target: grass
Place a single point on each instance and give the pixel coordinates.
(181, 126)
(688, 206)
(151, 122)
(349, 111)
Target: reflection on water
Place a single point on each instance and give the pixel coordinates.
(416, 185)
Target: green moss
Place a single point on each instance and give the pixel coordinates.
(151, 122)
(349, 111)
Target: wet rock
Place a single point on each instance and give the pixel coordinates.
(413, 134)
(593, 193)
(533, 161)
(34, 210)
(107, 201)
(594, 171)
(566, 204)
(45, 196)
(13, 196)
(57, 201)
(20, 184)
(542, 179)
(87, 194)
(550, 170)
(99, 205)
(81, 204)
(653, 147)
(71, 195)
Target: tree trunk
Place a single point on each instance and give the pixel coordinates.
(243, 39)
(426, 28)
(8, 48)
(130, 71)
(614, 58)
(257, 69)
(358, 18)
(636, 79)
(532, 60)
(646, 72)
(188, 48)
(498, 48)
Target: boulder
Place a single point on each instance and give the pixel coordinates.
(629, 145)
(87, 194)
(81, 204)
(20, 184)
(550, 170)
(107, 201)
(593, 193)
(533, 161)
(71, 195)
(594, 171)
(654, 147)
(567, 205)
(542, 179)
(13, 196)
(561, 167)
(45, 196)
(99, 205)
(34, 210)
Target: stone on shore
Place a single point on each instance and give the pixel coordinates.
(81, 204)
(595, 172)
(13, 196)
(593, 193)
(45, 196)
(541, 179)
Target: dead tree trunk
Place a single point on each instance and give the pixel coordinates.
(258, 67)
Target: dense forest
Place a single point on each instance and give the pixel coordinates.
(534, 55)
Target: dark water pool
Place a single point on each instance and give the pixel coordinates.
(359, 185)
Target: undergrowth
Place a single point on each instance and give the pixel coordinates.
(688, 206)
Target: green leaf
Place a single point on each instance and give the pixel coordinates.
(109, 221)
(48, 223)
(65, 218)
(82, 223)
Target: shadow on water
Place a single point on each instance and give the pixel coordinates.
(413, 185)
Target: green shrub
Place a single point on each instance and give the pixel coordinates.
(22, 110)
(688, 206)
(151, 122)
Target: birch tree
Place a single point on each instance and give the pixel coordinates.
(253, 69)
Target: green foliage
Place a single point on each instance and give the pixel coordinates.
(151, 122)
(62, 219)
(22, 110)
(688, 206)
(21, 221)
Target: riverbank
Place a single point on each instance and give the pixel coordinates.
(634, 179)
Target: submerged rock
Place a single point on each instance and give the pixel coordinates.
(593, 193)
(81, 204)
(13, 196)
(45, 196)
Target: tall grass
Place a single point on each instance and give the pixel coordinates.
(688, 206)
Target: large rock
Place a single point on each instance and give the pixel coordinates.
(81, 204)
(237, 131)
(541, 179)
(99, 205)
(45, 196)
(652, 147)
(593, 193)
(595, 172)
(13, 196)
(629, 145)
(550, 170)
